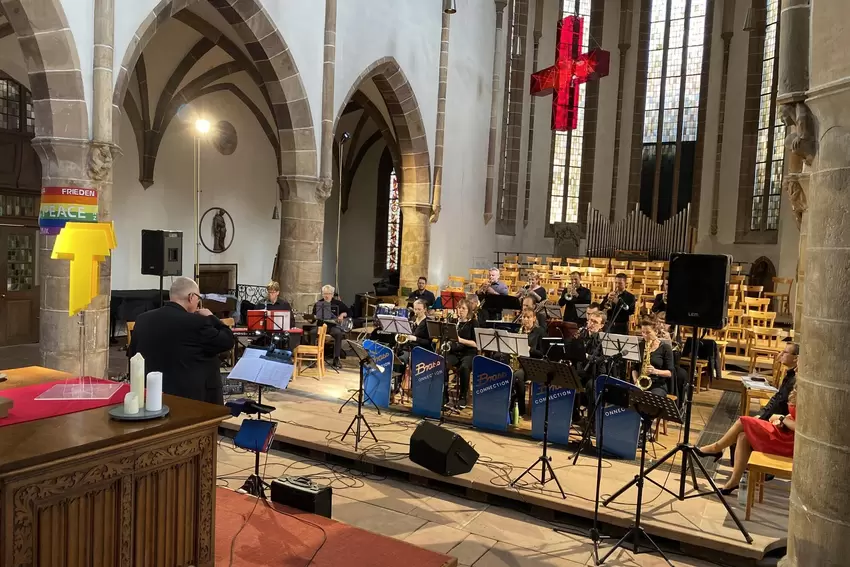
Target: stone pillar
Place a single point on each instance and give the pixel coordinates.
(495, 105)
(538, 33)
(302, 221)
(440, 133)
(819, 520)
(726, 35)
(65, 163)
(415, 235)
(624, 44)
(328, 81)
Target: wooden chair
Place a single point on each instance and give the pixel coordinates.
(311, 353)
(751, 304)
(656, 266)
(553, 261)
(456, 283)
(783, 298)
(531, 260)
(620, 265)
(733, 301)
(599, 263)
(739, 280)
(748, 290)
(639, 265)
(759, 465)
(762, 346)
(574, 262)
(511, 259)
(130, 326)
(759, 319)
(734, 331)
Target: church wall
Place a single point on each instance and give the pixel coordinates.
(461, 240)
(244, 184)
(80, 17)
(12, 60)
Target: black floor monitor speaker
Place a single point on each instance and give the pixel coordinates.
(162, 252)
(441, 451)
(698, 290)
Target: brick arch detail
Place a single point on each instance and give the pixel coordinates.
(53, 65)
(415, 174)
(272, 59)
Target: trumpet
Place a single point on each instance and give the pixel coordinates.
(644, 381)
(484, 287)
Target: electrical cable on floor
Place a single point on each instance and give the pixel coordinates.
(245, 523)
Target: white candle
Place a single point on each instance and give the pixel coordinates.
(137, 377)
(131, 403)
(154, 394)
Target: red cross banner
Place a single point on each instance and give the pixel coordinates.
(571, 69)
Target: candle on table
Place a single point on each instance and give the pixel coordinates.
(153, 399)
(137, 377)
(131, 403)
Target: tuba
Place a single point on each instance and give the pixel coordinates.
(644, 381)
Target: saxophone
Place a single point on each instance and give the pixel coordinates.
(644, 381)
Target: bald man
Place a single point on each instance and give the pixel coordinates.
(183, 341)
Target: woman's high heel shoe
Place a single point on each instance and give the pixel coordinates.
(728, 491)
(716, 456)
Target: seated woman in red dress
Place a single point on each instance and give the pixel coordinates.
(775, 437)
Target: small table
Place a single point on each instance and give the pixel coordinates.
(759, 465)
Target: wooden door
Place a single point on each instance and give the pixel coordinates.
(19, 294)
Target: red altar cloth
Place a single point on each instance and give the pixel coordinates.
(27, 408)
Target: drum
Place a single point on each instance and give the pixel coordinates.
(385, 309)
(401, 312)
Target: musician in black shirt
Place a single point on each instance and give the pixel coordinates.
(528, 303)
(574, 294)
(535, 347)
(421, 293)
(620, 304)
(331, 311)
(594, 366)
(661, 368)
(462, 353)
(660, 302)
(534, 290)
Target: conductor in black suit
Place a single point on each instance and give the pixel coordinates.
(183, 340)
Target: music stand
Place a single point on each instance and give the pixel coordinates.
(498, 303)
(689, 458)
(502, 342)
(444, 332)
(553, 311)
(581, 311)
(450, 299)
(394, 324)
(548, 374)
(653, 407)
(365, 360)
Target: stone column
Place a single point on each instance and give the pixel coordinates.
(328, 82)
(495, 105)
(538, 33)
(819, 520)
(415, 234)
(440, 134)
(726, 35)
(302, 221)
(624, 44)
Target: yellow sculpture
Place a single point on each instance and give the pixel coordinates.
(85, 245)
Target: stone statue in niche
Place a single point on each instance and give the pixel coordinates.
(801, 146)
(224, 138)
(566, 240)
(219, 231)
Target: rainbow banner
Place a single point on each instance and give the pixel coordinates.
(61, 205)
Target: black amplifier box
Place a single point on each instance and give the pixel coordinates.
(302, 494)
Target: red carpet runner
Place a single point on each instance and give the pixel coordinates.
(271, 538)
(27, 408)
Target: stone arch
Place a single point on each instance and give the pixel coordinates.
(272, 64)
(415, 172)
(762, 273)
(53, 65)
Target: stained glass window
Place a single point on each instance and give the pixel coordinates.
(393, 224)
(767, 188)
(676, 46)
(569, 146)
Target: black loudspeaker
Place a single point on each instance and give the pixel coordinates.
(162, 253)
(441, 451)
(698, 290)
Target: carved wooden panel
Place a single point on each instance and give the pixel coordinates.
(146, 506)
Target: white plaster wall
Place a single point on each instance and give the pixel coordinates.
(80, 16)
(460, 240)
(243, 183)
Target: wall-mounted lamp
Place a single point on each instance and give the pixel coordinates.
(450, 6)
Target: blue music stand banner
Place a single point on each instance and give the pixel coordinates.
(561, 402)
(622, 425)
(427, 372)
(491, 393)
(378, 384)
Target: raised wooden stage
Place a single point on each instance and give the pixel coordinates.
(312, 425)
(82, 489)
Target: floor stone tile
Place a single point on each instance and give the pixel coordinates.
(374, 518)
(506, 555)
(437, 537)
(471, 549)
(449, 510)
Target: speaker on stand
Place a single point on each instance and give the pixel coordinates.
(162, 254)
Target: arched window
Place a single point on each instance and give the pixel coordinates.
(16, 112)
(674, 93)
(393, 224)
(770, 149)
(568, 147)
